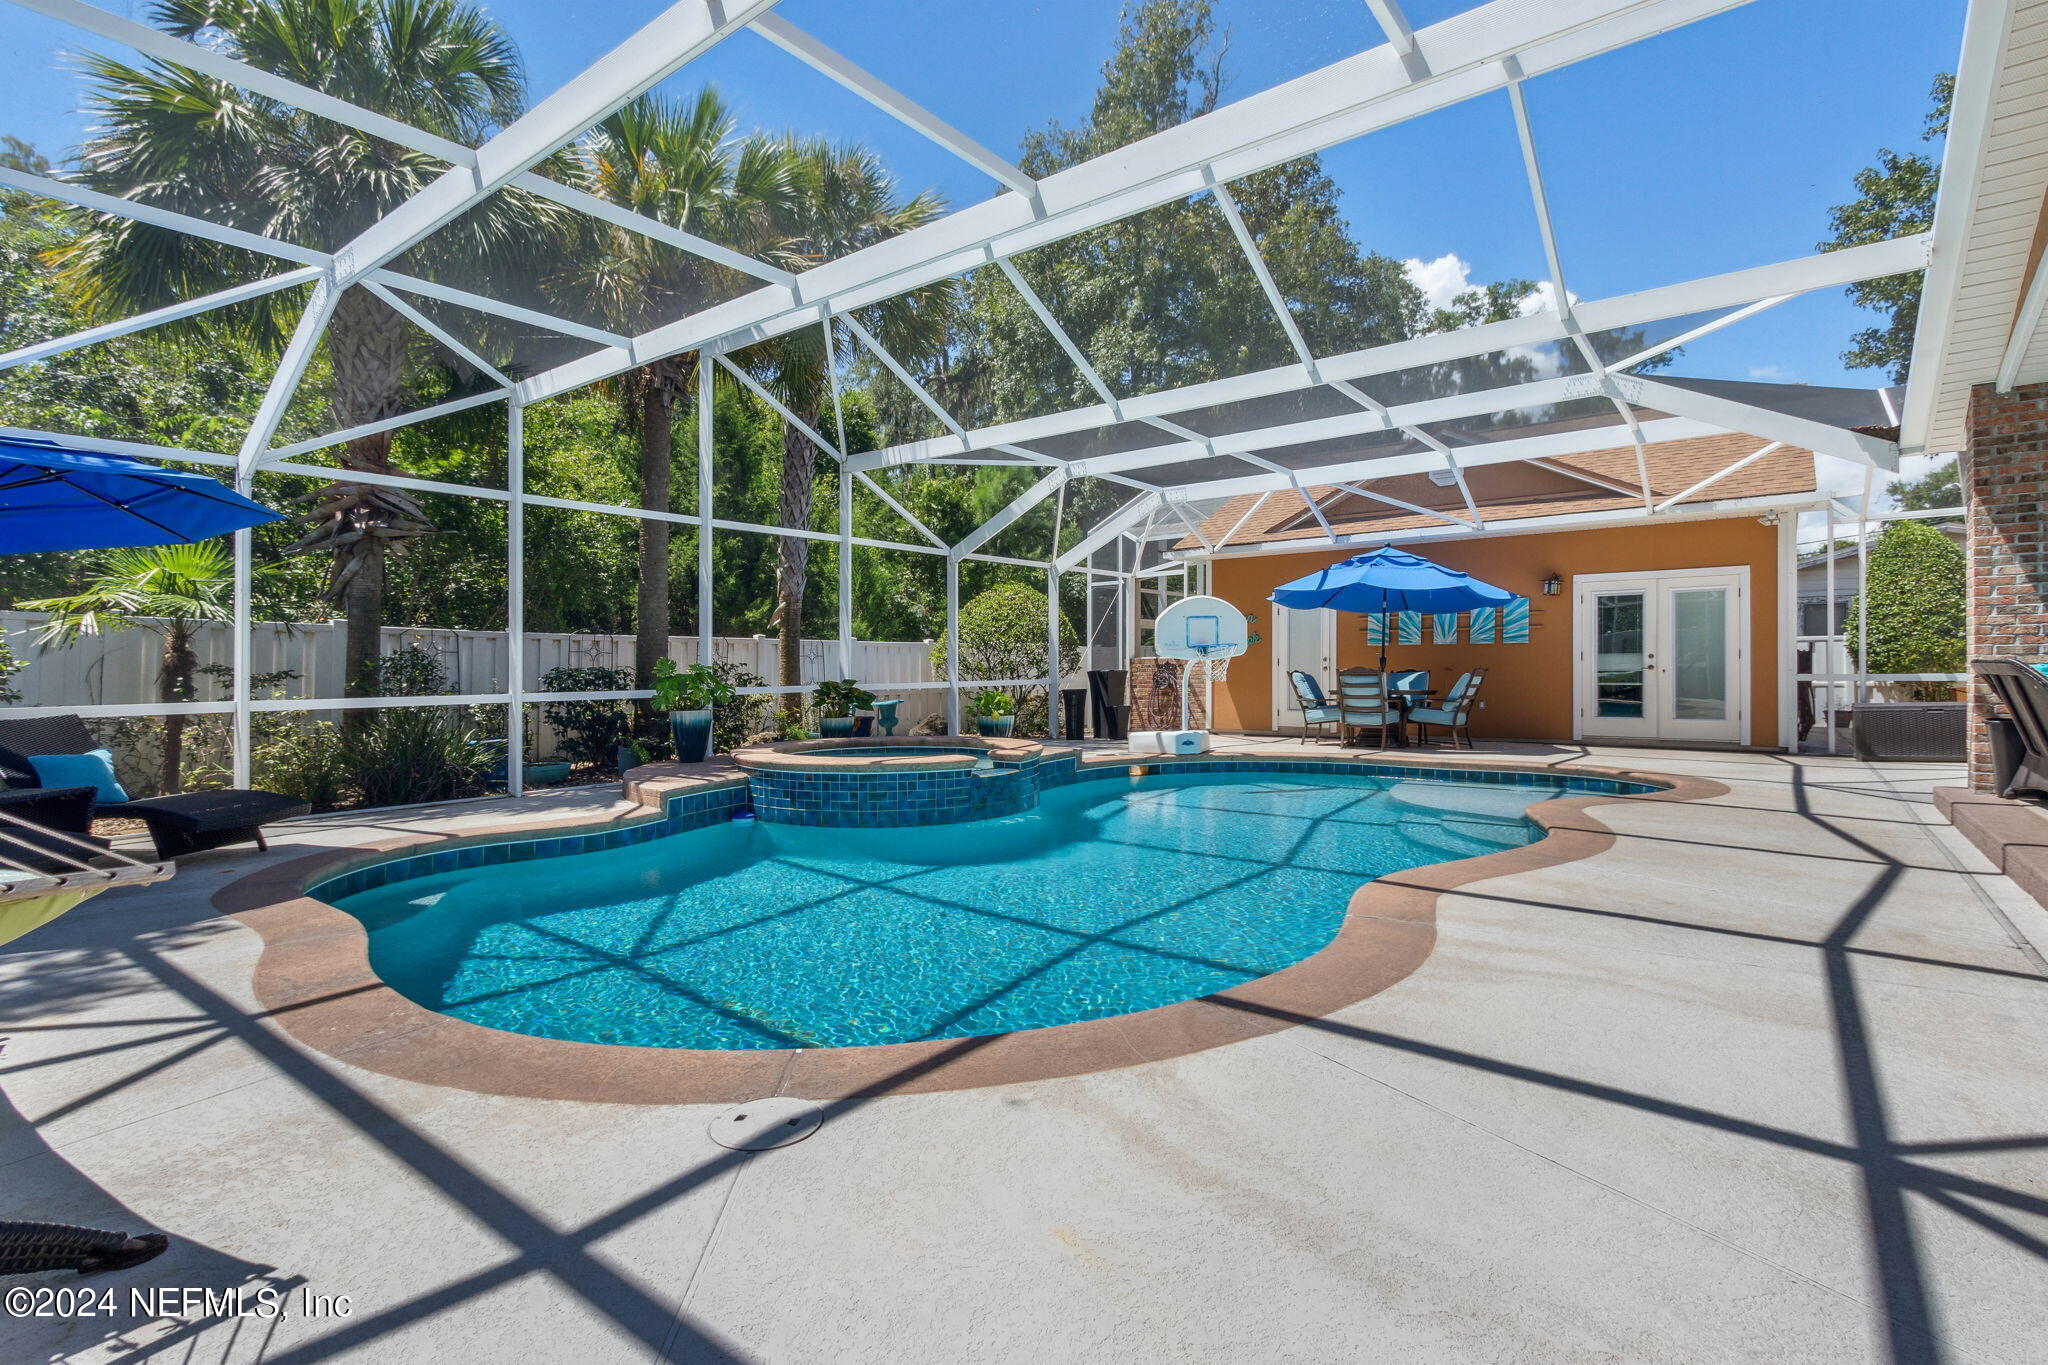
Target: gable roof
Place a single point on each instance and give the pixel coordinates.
(1593, 481)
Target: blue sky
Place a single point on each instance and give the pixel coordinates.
(1708, 149)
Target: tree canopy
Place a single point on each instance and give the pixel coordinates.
(1895, 198)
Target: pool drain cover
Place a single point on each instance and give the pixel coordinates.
(774, 1122)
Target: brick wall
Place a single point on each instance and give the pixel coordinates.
(2005, 490)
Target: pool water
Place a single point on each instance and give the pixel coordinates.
(1112, 896)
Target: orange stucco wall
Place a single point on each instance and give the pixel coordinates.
(1528, 692)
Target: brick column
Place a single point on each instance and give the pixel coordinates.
(2005, 493)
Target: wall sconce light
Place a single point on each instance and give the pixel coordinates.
(1552, 586)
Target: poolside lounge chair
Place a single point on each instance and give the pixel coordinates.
(1316, 710)
(1362, 703)
(183, 823)
(63, 816)
(2023, 692)
(1453, 713)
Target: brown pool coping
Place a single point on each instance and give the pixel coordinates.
(314, 976)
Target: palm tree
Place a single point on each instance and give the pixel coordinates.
(185, 141)
(169, 589)
(681, 163)
(849, 201)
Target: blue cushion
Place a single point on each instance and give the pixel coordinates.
(1316, 715)
(1431, 715)
(1371, 717)
(94, 769)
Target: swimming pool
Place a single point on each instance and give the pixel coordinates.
(1113, 895)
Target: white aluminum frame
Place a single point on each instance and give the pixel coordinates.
(1492, 47)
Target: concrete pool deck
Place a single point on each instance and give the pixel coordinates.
(1763, 1079)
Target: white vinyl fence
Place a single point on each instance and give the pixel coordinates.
(120, 667)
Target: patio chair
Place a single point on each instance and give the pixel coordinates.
(2023, 692)
(183, 823)
(1362, 703)
(1316, 711)
(1453, 713)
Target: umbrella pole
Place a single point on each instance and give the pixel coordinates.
(1385, 626)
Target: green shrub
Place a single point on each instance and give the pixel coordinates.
(410, 754)
(1917, 590)
(411, 671)
(1002, 635)
(733, 721)
(303, 758)
(588, 731)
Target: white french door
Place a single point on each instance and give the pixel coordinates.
(1306, 640)
(1661, 656)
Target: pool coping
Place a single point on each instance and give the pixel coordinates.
(314, 978)
(823, 756)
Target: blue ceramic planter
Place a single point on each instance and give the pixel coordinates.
(835, 727)
(691, 733)
(995, 727)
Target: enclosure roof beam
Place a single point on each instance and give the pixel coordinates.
(1494, 452)
(890, 101)
(1716, 477)
(1778, 426)
(177, 51)
(760, 391)
(1022, 503)
(1818, 271)
(156, 317)
(1341, 101)
(481, 303)
(454, 405)
(1110, 527)
(136, 211)
(436, 331)
(679, 34)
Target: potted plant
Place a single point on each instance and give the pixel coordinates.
(995, 715)
(837, 700)
(689, 695)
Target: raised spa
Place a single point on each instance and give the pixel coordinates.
(889, 782)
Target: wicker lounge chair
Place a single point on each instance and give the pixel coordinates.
(1362, 703)
(1316, 711)
(2023, 692)
(1453, 713)
(180, 824)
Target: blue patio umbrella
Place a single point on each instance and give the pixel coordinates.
(1388, 580)
(52, 498)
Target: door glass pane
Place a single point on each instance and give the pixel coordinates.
(1304, 651)
(1699, 645)
(1618, 654)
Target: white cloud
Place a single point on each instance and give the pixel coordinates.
(1450, 275)
(1773, 374)
(1440, 280)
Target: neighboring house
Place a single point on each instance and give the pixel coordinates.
(1813, 583)
(1653, 614)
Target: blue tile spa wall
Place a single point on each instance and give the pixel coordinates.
(879, 798)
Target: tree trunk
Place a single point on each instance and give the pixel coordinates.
(652, 392)
(793, 553)
(174, 683)
(366, 343)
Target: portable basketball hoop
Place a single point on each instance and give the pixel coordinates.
(1204, 628)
